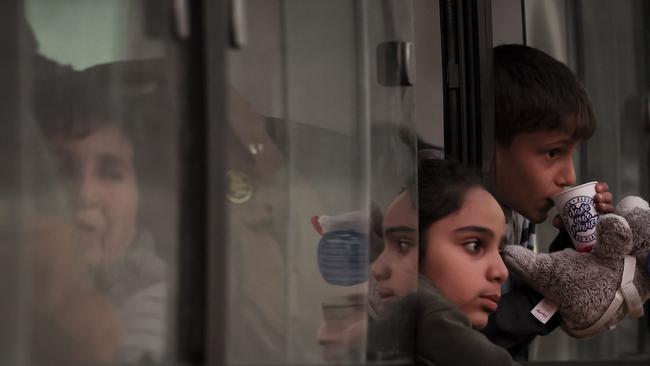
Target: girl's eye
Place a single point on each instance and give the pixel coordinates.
(403, 246)
(473, 247)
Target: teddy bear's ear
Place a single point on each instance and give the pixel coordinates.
(637, 213)
(614, 237)
(629, 203)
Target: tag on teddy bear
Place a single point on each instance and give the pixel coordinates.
(544, 310)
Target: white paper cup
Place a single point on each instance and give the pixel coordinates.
(578, 211)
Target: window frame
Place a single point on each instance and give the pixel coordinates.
(468, 90)
(202, 276)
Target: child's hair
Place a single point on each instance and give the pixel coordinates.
(120, 94)
(126, 95)
(534, 92)
(442, 186)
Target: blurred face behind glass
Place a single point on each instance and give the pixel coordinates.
(396, 269)
(462, 256)
(98, 169)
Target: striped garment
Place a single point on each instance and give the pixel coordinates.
(137, 287)
(519, 231)
(144, 326)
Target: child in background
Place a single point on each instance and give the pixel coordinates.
(542, 114)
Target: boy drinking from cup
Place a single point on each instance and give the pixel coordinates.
(542, 114)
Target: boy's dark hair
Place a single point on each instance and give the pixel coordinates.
(442, 186)
(534, 92)
(122, 94)
(126, 95)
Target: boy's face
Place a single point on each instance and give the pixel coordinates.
(534, 168)
(462, 256)
(100, 176)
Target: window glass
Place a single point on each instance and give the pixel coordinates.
(321, 144)
(326, 112)
(92, 186)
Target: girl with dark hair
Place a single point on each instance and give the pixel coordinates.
(461, 227)
(457, 218)
(460, 230)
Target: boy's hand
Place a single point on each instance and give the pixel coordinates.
(603, 201)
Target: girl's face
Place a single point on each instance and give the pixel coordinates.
(99, 173)
(462, 256)
(396, 269)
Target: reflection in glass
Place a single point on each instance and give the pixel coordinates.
(99, 132)
(314, 152)
(92, 190)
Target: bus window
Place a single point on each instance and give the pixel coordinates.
(325, 106)
(93, 189)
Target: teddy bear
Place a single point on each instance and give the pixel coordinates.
(594, 291)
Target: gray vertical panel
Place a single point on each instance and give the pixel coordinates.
(321, 86)
(322, 92)
(507, 22)
(428, 85)
(549, 28)
(255, 71)
(216, 115)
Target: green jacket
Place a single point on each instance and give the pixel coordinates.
(444, 335)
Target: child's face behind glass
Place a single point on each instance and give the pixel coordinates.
(532, 169)
(462, 256)
(396, 269)
(99, 173)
